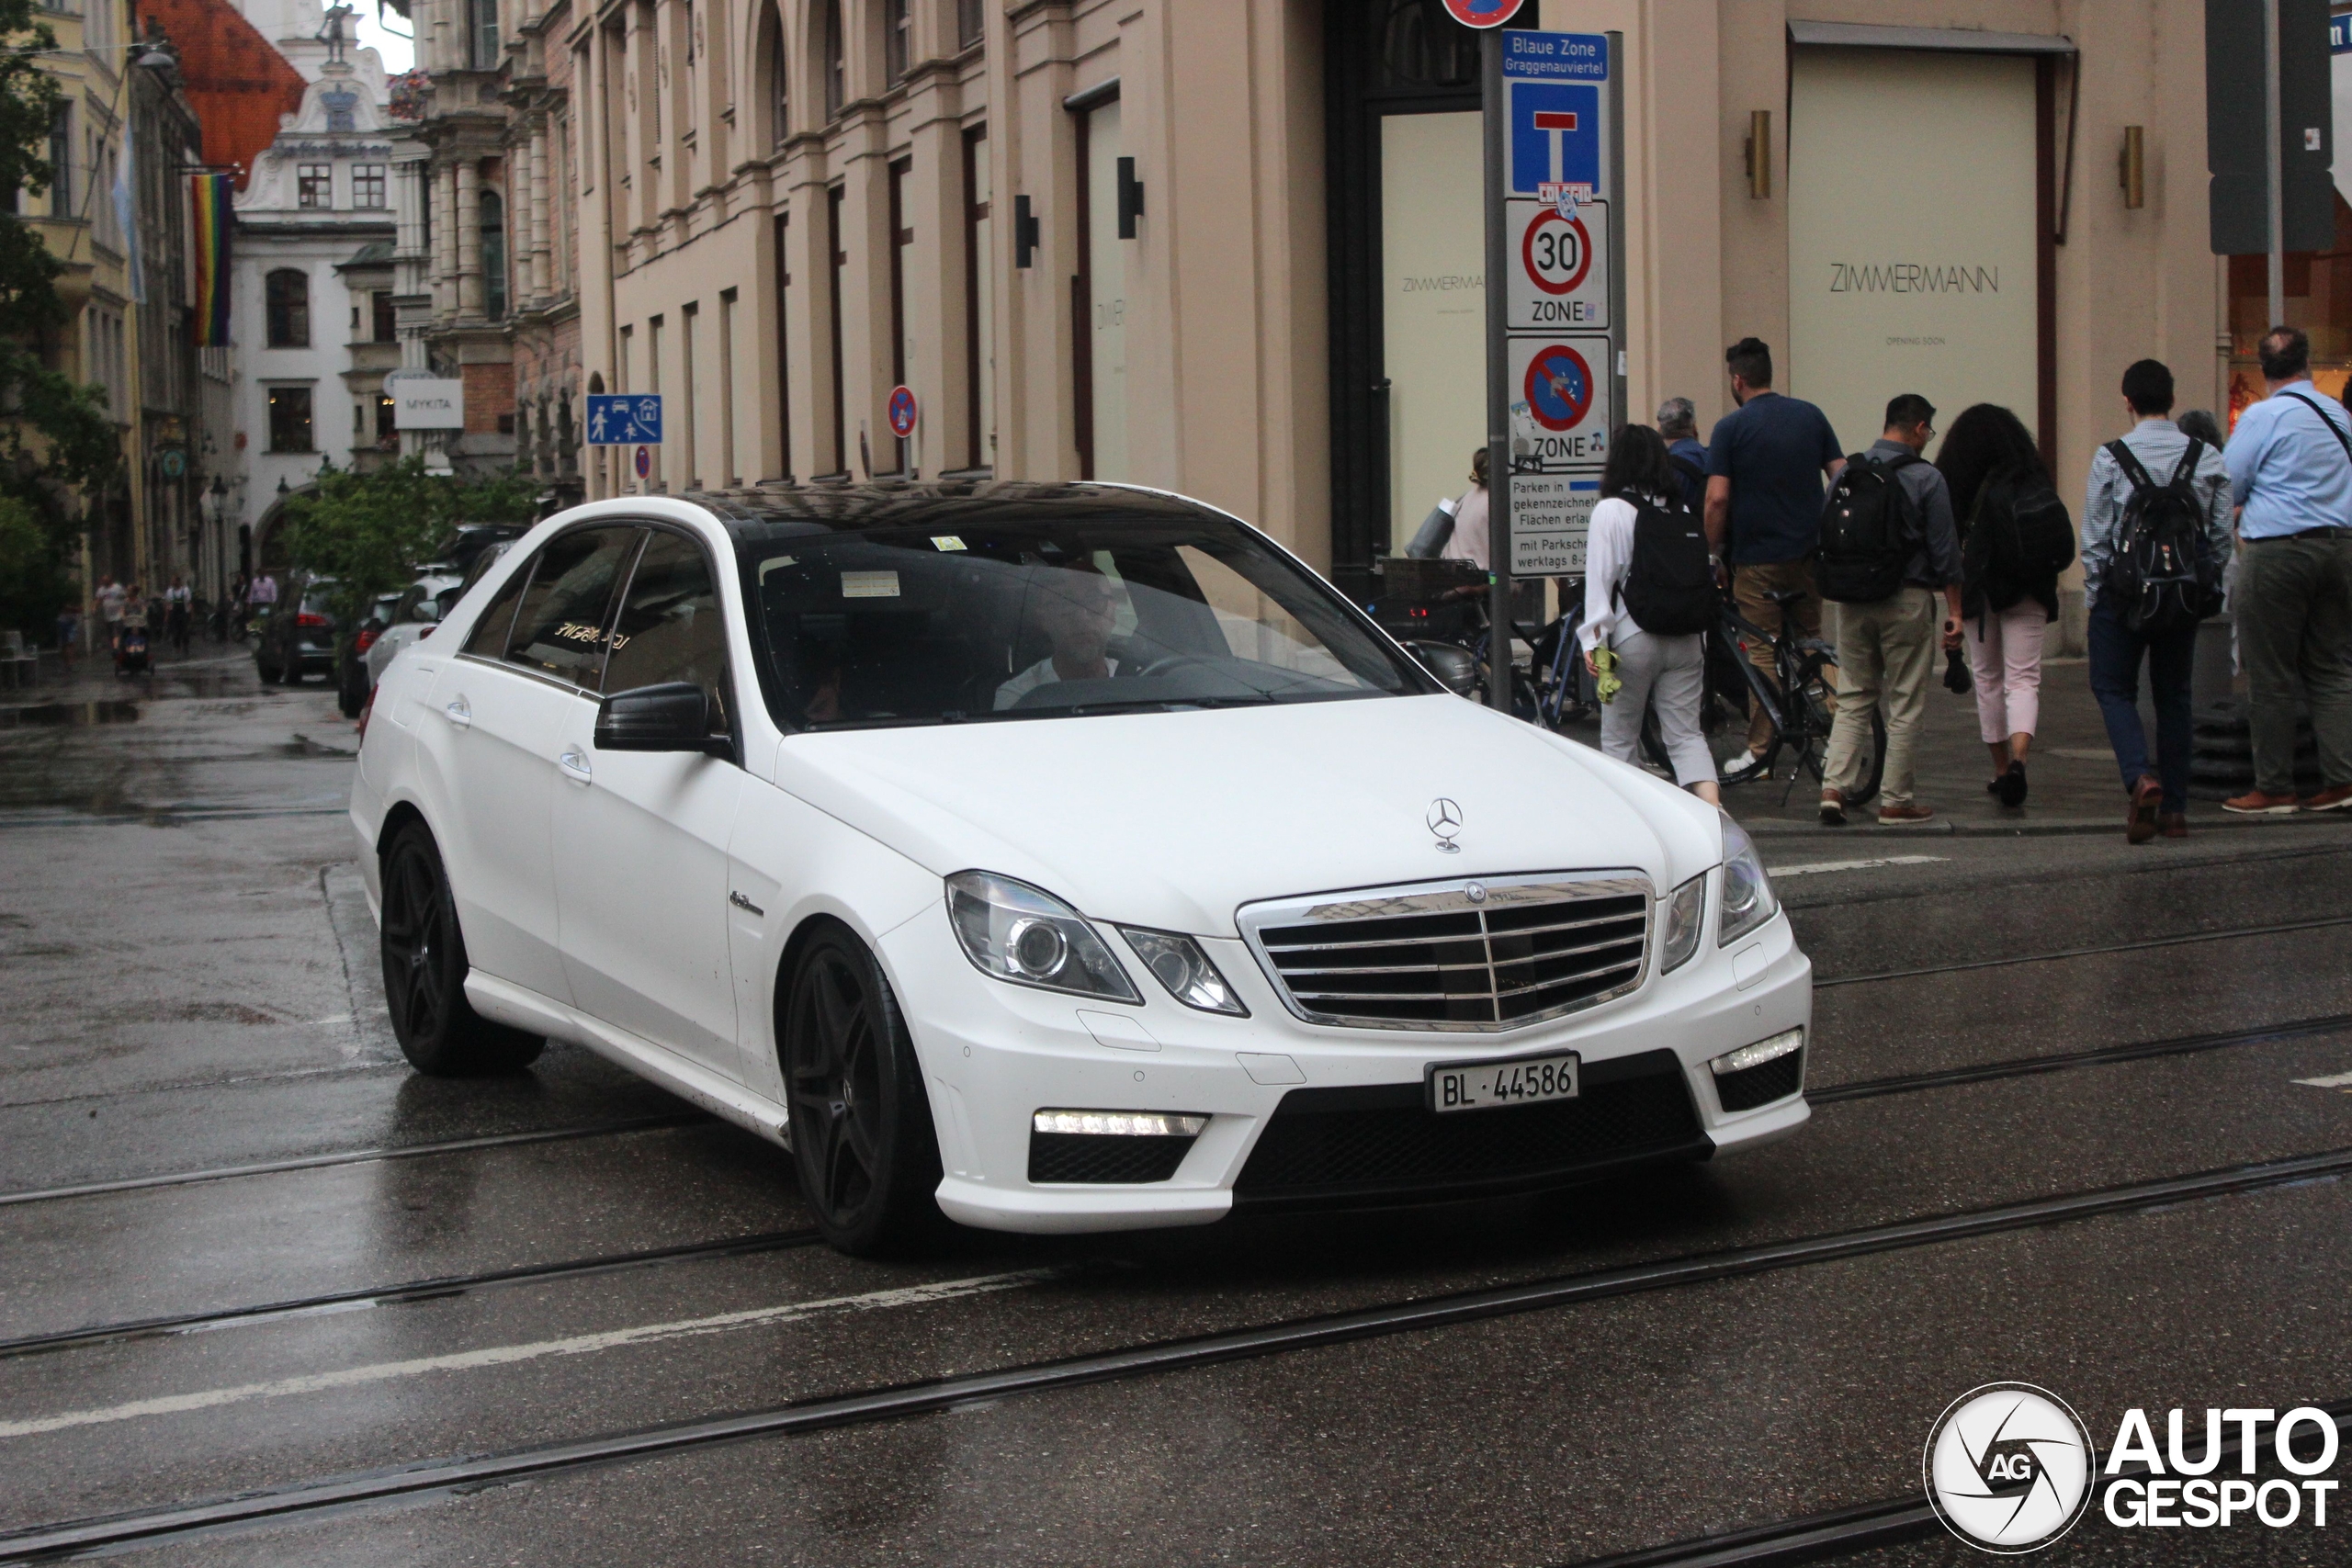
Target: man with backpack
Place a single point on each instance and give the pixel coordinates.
(1888, 548)
(2155, 534)
(1765, 463)
(2290, 471)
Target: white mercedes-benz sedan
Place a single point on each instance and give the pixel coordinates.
(1054, 858)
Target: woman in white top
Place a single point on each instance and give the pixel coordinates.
(1665, 672)
(1468, 540)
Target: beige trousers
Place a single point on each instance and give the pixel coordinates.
(1886, 651)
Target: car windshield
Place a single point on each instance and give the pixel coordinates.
(1014, 619)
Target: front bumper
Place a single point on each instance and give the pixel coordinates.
(994, 1054)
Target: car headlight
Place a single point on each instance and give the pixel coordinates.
(1748, 891)
(1686, 916)
(1178, 963)
(1015, 933)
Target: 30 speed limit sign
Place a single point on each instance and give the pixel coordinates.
(1560, 272)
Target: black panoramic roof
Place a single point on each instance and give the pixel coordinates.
(780, 512)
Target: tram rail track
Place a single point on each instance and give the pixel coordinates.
(2142, 944)
(893, 1402)
(441, 1287)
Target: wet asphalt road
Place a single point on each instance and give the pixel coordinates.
(189, 981)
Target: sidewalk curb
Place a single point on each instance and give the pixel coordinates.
(1943, 827)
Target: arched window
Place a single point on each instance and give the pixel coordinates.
(493, 255)
(897, 41)
(836, 60)
(779, 85)
(287, 293)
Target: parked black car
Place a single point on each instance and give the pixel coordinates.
(300, 638)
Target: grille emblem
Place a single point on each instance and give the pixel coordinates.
(1476, 893)
(1445, 821)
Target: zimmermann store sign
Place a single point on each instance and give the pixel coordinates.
(1902, 281)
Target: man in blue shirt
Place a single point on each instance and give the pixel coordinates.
(2158, 800)
(1677, 421)
(1766, 462)
(2290, 470)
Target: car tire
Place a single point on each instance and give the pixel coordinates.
(353, 693)
(425, 972)
(271, 675)
(862, 1141)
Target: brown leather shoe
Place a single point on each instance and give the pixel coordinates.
(2336, 800)
(2256, 802)
(1903, 816)
(1832, 808)
(2140, 813)
(2173, 824)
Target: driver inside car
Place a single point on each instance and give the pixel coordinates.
(1078, 611)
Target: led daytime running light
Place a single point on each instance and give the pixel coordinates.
(1755, 1055)
(1119, 1123)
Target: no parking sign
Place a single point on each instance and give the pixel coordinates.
(903, 411)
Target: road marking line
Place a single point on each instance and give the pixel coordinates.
(2339, 1081)
(1817, 867)
(504, 1355)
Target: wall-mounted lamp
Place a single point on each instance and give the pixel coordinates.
(1024, 232)
(2132, 168)
(1760, 154)
(1130, 198)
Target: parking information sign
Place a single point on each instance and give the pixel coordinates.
(1561, 349)
(624, 419)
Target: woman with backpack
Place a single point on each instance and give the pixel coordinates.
(2015, 538)
(1649, 596)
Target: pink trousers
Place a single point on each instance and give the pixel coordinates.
(2006, 658)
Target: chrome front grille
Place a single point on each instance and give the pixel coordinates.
(1473, 954)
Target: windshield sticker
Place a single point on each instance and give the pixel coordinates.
(945, 541)
(869, 585)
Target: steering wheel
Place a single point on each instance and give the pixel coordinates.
(1167, 663)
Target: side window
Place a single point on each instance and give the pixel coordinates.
(488, 639)
(560, 627)
(670, 628)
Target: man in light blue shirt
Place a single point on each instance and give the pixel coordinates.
(2158, 799)
(2290, 471)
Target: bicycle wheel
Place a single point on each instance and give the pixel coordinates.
(1818, 708)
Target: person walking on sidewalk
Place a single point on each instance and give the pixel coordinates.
(1766, 461)
(2156, 480)
(1649, 597)
(1677, 421)
(2014, 537)
(1888, 550)
(1468, 540)
(2289, 463)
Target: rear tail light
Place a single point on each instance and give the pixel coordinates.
(367, 641)
(425, 633)
(309, 622)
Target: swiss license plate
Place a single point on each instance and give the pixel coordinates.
(1522, 1080)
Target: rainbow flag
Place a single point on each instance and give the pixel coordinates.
(213, 219)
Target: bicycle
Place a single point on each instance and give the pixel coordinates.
(1805, 667)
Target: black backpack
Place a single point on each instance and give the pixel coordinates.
(2022, 533)
(1867, 539)
(2163, 576)
(1669, 586)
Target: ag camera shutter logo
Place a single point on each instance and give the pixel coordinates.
(2008, 1468)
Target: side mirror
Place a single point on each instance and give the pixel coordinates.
(1456, 668)
(425, 611)
(672, 716)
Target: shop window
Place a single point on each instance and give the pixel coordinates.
(287, 297)
(314, 185)
(1422, 46)
(2318, 300)
(386, 435)
(289, 420)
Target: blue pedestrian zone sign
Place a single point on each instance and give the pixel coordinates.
(624, 419)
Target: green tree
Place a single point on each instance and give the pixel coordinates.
(370, 531)
(34, 584)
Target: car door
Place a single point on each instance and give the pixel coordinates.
(640, 837)
(493, 726)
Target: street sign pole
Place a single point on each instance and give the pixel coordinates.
(1616, 233)
(2273, 165)
(1490, 80)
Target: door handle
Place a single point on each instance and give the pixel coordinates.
(575, 763)
(462, 713)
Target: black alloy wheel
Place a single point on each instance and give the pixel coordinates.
(425, 972)
(862, 1137)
